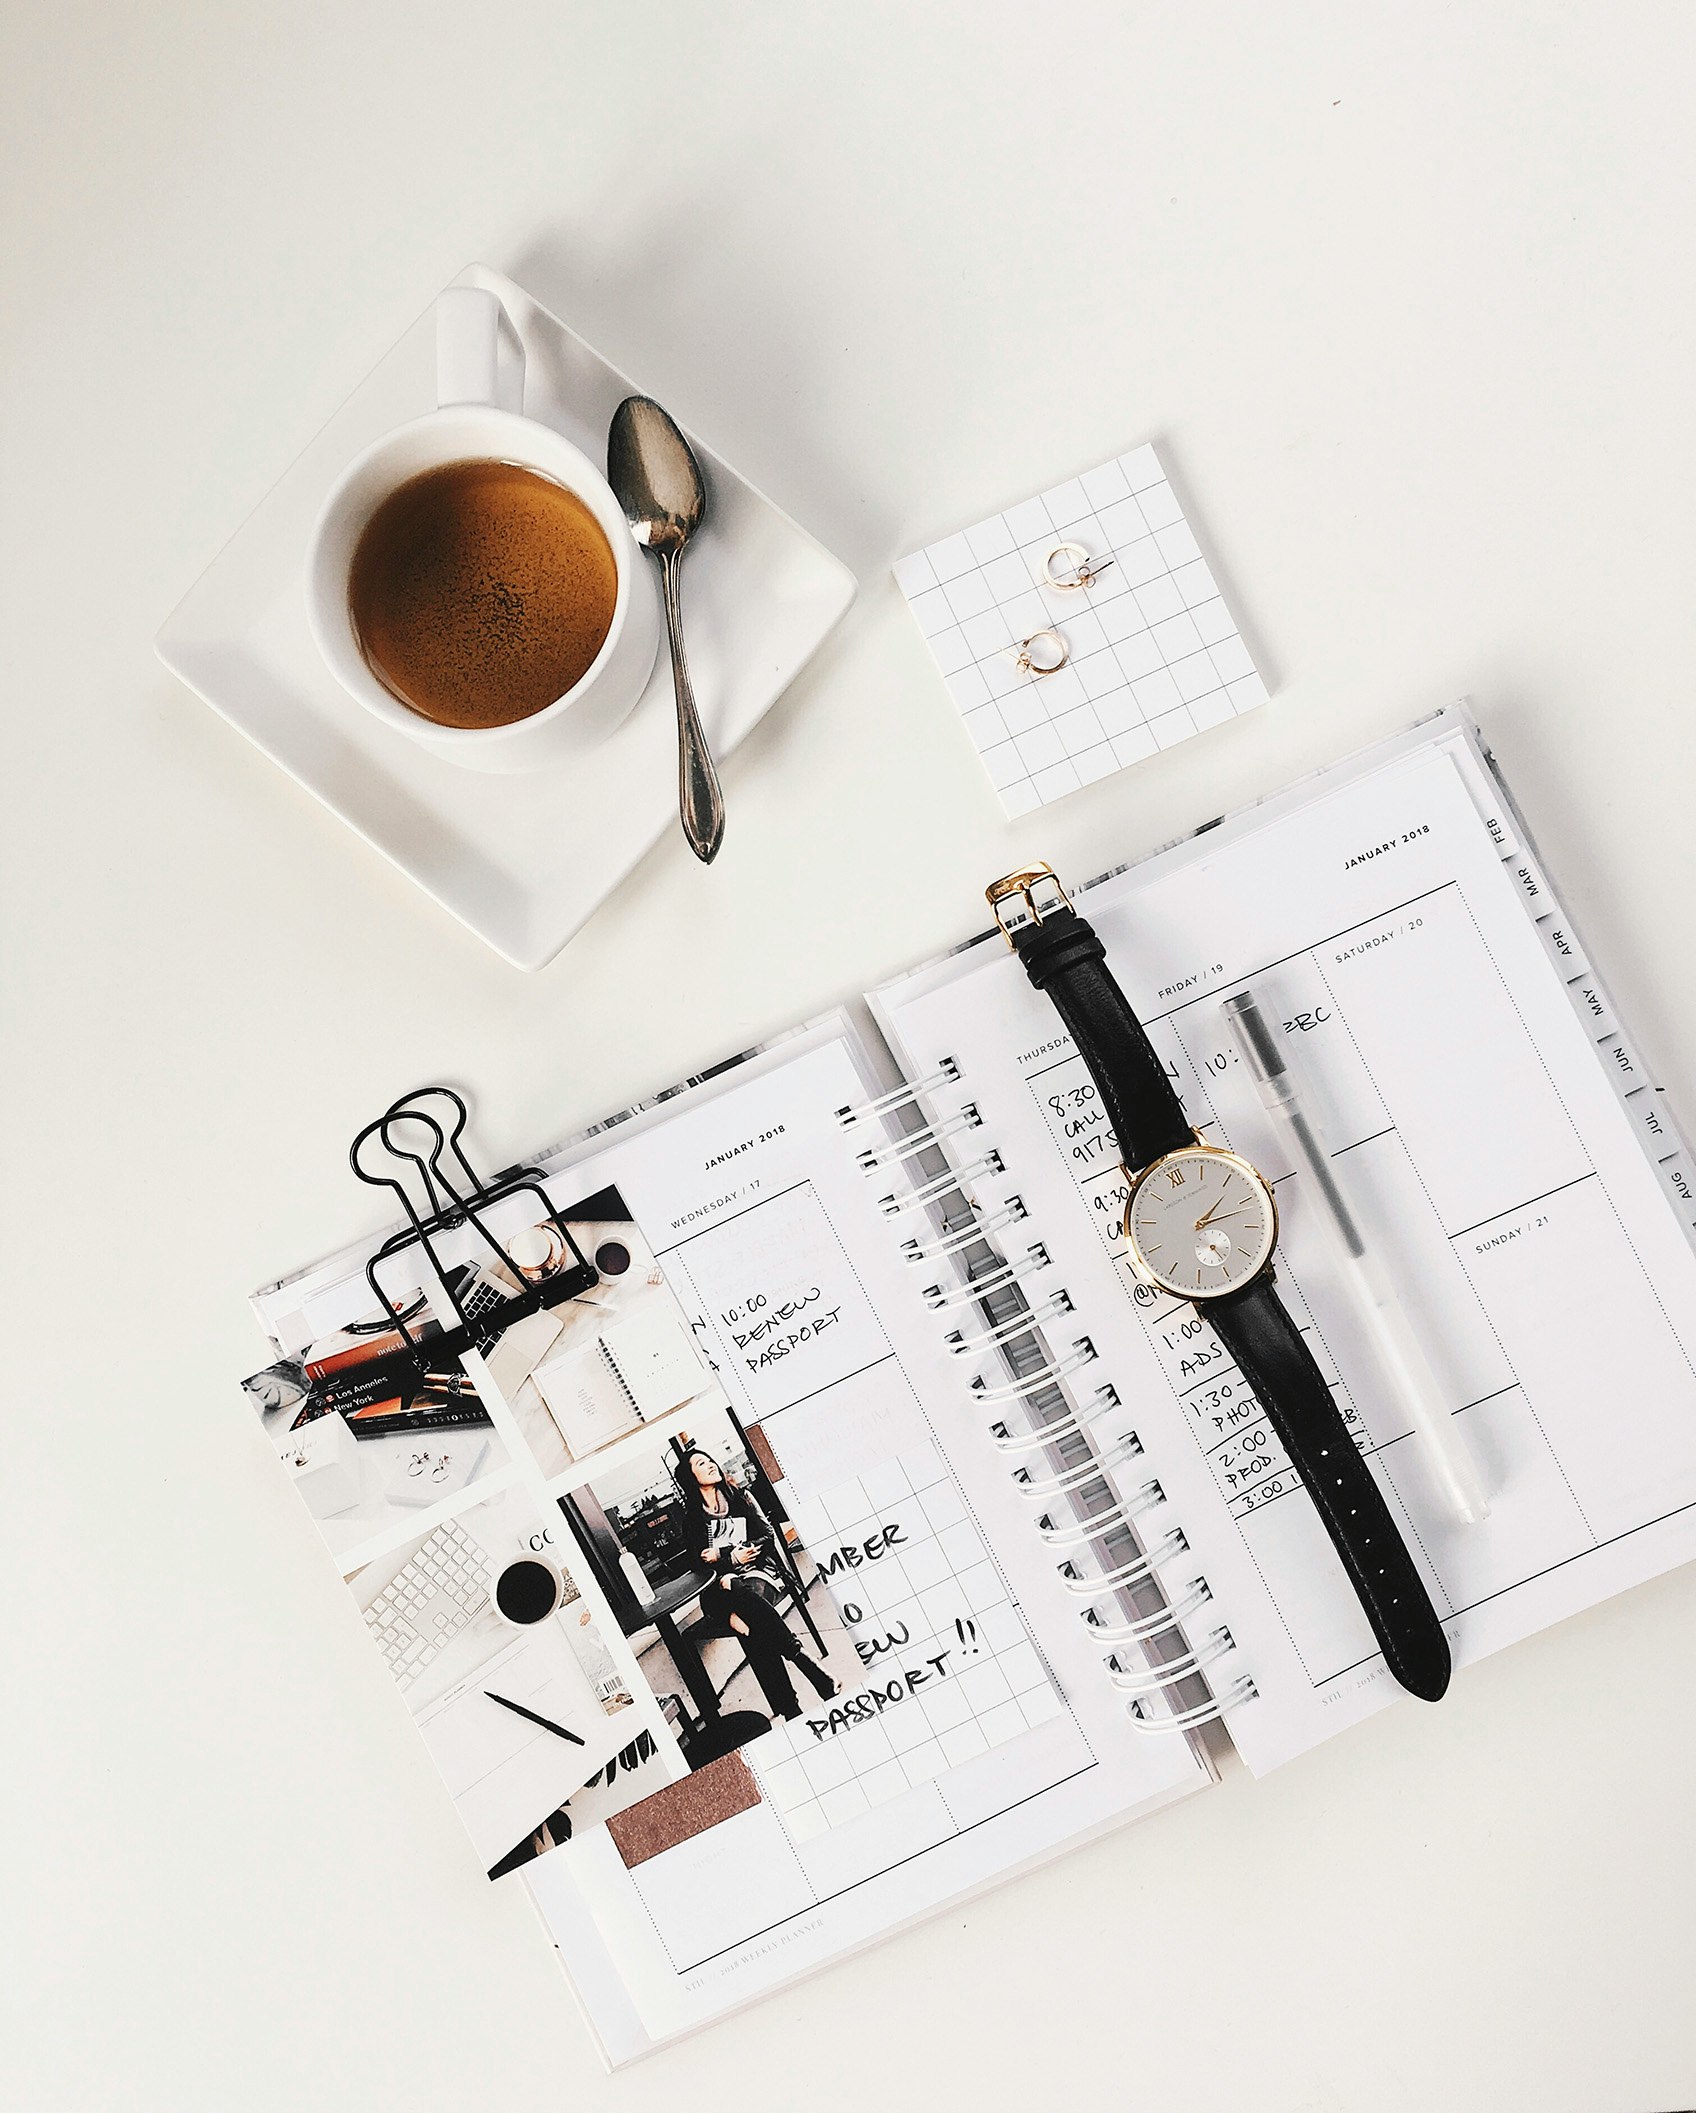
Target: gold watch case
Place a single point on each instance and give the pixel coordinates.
(1145, 1272)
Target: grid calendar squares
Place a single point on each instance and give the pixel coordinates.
(949, 1653)
(1153, 653)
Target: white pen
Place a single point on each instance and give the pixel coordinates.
(1400, 1354)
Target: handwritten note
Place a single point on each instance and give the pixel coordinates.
(950, 1671)
(781, 1297)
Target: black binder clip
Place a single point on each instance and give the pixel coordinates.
(450, 1196)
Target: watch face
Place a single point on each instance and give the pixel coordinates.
(1200, 1222)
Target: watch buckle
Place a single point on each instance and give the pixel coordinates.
(1014, 898)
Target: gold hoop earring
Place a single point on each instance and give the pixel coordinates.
(1078, 569)
(1045, 652)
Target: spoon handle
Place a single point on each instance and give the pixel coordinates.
(699, 800)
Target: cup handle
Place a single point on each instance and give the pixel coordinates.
(477, 361)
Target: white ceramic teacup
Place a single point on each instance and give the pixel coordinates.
(470, 425)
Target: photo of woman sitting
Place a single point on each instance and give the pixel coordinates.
(729, 1533)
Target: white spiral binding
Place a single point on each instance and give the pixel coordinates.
(1127, 1508)
(943, 1185)
(913, 1142)
(1055, 1304)
(1102, 1582)
(1081, 1353)
(1081, 1532)
(1164, 1674)
(974, 1289)
(1240, 1691)
(945, 1074)
(1079, 1477)
(1117, 1632)
(981, 1280)
(957, 1239)
(1045, 1434)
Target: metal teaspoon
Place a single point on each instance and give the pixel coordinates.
(656, 479)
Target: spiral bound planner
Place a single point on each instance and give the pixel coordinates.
(1028, 1550)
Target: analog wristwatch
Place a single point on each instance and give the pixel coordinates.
(1202, 1224)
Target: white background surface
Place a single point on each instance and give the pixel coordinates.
(1405, 294)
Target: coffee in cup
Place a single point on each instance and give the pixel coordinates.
(526, 1591)
(480, 592)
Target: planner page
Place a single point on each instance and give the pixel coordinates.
(851, 1693)
(1511, 1164)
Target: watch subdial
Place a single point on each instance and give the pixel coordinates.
(1214, 1248)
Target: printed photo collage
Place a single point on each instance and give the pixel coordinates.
(568, 1550)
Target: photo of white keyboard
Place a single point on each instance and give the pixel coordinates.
(429, 1601)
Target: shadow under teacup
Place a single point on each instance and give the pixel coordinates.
(483, 620)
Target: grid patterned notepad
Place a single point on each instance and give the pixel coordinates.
(1154, 655)
(950, 1671)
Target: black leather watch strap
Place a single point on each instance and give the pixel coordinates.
(1269, 1352)
(1063, 957)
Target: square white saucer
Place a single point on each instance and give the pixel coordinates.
(521, 860)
